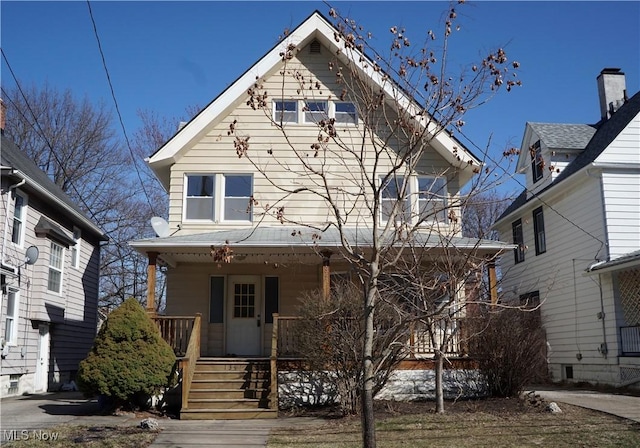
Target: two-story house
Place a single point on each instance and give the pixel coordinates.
(577, 227)
(50, 260)
(243, 269)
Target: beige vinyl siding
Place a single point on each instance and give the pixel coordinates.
(188, 290)
(214, 153)
(571, 301)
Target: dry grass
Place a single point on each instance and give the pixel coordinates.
(492, 423)
(64, 436)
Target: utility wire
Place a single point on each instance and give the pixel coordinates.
(115, 101)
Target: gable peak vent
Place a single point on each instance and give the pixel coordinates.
(314, 47)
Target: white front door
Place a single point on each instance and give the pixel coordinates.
(244, 322)
(42, 366)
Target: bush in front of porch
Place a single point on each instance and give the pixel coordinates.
(129, 360)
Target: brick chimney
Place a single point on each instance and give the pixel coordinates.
(612, 91)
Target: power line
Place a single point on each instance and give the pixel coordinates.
(535, 195)
(115, 101)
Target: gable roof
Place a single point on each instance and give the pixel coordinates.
(602, 138)
(564, 136)
(19, 165)
(315, 27)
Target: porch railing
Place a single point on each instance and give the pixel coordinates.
(182, 333)
(630, 340)
(419, 341)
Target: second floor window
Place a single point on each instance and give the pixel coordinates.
(56, 259)
(432, 198)
(518, 238)
(395, 191)
(346, 113)
(537, 162)
(11, 319)
(538, 230)
(218, 197)
(19, 216)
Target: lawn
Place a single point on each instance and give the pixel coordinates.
(488, 423)
(64, 436)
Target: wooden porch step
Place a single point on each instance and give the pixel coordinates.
(229, 393)
(227, 414)
(228, 403)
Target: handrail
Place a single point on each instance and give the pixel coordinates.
(188, 363)
(273, 361)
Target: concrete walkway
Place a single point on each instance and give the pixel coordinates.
(620, 405)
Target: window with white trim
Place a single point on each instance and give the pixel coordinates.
(392, 192)
(315, 111)
(345, 113)
(19, 217)
(11, 319)
(56, 262)
(199, 203)
(218, 197)
(285, 111)
(237, 197)
(537, 162)
(75, 249)
(432, 198)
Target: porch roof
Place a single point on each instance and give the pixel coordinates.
(300, 240)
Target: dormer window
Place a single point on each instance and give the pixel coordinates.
(537, 162)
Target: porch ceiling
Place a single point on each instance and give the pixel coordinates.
(294, 243)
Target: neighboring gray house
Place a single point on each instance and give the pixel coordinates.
(577, 225)
(49, 302)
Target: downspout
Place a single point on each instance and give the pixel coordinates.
(6, 215)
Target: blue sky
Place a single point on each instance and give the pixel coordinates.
(165, 56)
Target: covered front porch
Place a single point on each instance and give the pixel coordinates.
(235, 295)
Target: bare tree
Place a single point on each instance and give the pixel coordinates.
(74, 141)
(387, 218)
(481, 211)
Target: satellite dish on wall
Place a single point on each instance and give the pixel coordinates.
(160, 226)
(31, 255)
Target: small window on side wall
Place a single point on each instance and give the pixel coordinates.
(19, 217)
(518, 238)
(538, 230)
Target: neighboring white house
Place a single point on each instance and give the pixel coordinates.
(50, 260)
(577, 225)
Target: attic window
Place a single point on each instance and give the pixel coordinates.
(537, 162)
(314, 47)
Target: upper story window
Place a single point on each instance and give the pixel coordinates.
(538, 230)
(56, 259)
(11, 319)
(424, 199)
(345, 113)
(392, 192)
(315, 111)
(75, 249)
(218, 197)
(19, 218)
(200, 199)
(432, 198)
(285, 111)
(537, 162)
(518, 238)
(237, 197)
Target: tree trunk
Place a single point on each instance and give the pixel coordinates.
(439, 364)
(368, 420)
